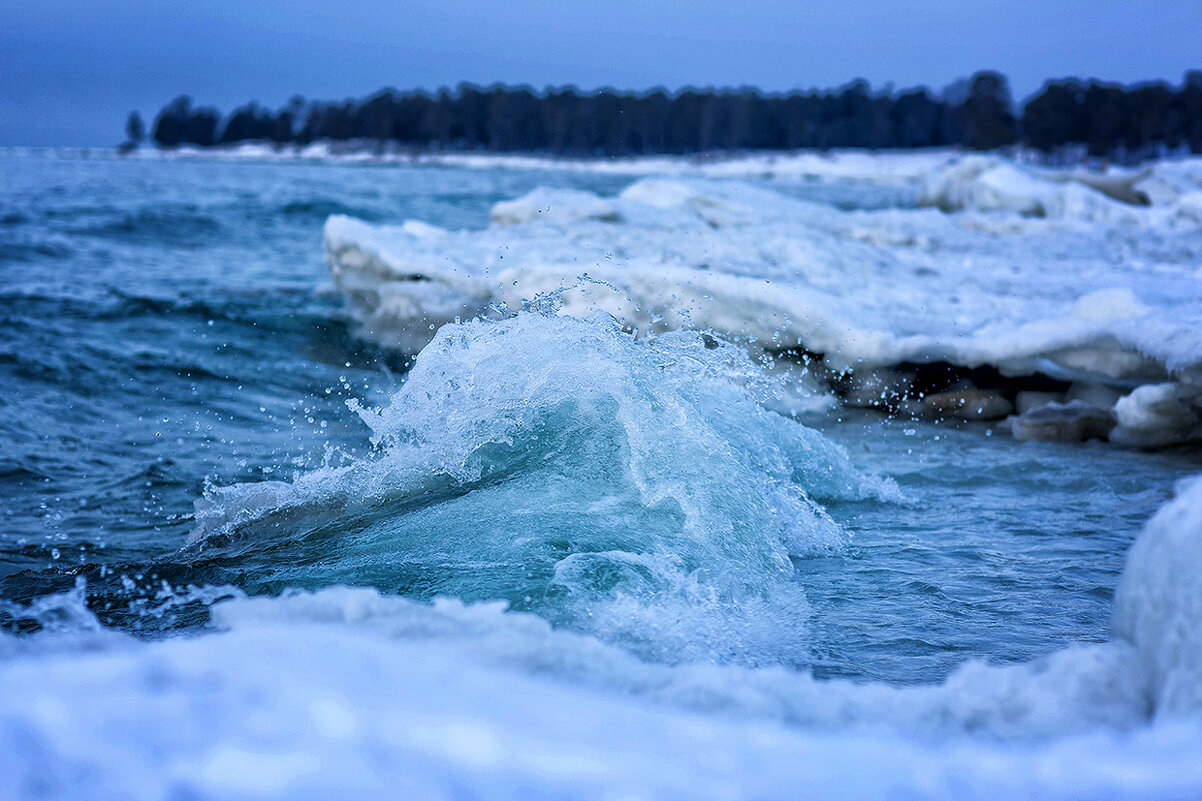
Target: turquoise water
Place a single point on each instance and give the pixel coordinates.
(169, 329)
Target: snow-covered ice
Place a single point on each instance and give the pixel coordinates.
(1031, 273)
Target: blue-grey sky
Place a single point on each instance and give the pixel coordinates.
(71, 70)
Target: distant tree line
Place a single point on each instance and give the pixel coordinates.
(1101, 119)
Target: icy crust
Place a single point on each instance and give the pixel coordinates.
(346, 691)
(1103, 290)
(566, 467)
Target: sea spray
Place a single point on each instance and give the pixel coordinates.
(637, 490)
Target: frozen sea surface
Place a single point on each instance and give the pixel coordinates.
(247, 552)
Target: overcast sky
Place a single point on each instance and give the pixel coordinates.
(71, 70)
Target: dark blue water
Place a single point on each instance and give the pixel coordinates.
(169, 326)
(168, 323)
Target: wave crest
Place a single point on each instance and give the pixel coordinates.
(611, 485)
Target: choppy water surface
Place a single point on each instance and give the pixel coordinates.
(169, 326)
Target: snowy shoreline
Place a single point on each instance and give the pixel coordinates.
(1083, 303)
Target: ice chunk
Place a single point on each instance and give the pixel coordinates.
(1006, 188)
(991, 183)
(1159, 414)
(1158, 606)
(1072, 422)
(558, 206)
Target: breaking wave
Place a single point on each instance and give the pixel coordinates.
(637, 491)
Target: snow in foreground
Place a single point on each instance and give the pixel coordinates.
(344, 692)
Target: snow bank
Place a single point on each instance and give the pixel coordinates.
(348, 692)
(297, 705)
(888, 168)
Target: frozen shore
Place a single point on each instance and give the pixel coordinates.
(1001, 279)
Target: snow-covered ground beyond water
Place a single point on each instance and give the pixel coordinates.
(1070, 275)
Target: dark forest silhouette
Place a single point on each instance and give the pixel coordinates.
(1066, 118)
